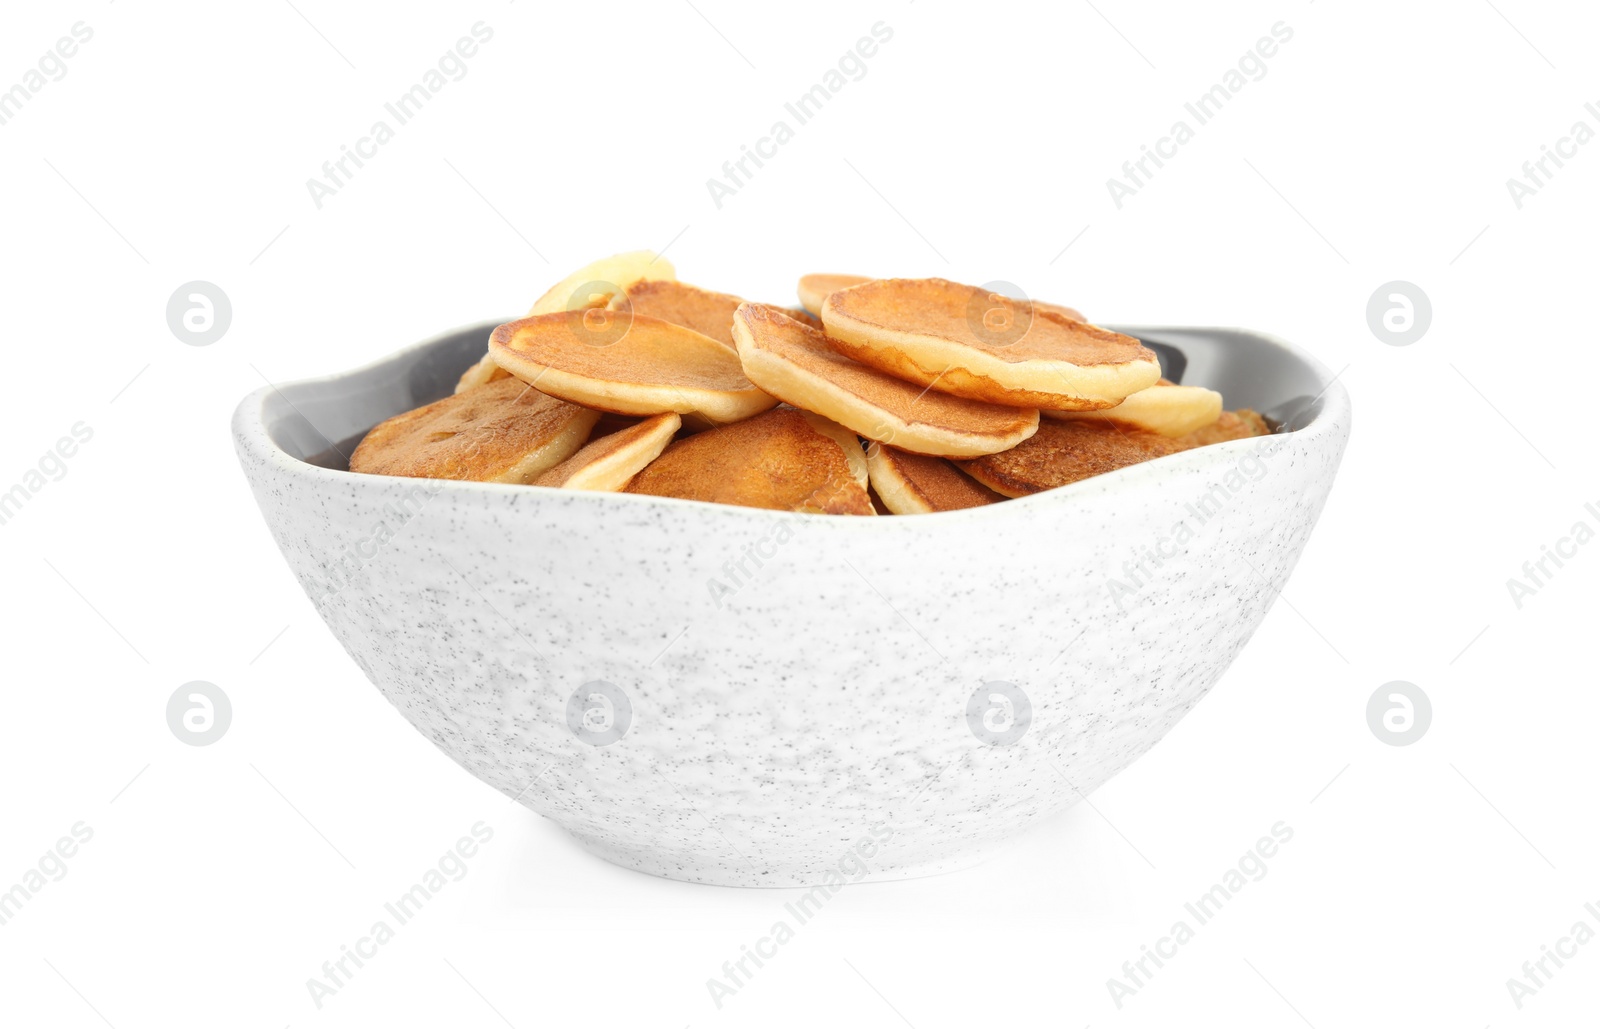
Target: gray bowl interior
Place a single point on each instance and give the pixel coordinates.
(320, 421)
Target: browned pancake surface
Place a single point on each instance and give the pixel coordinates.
(1065, 452)
(708, 313)
(481, 434)
(936, 484)
(950, 310)
(775, 460)
(809, 350)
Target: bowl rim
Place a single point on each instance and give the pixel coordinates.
(252, 438)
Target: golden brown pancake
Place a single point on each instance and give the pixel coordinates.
(593, 285)
(637, 366)
(608, 463)
(778, 460)
(796, 363)
(910, 483)
(1065, 452)
(1170, 410)
(708, 313)
(962, 340)
(814, 289)
(501, 431)
(1230, 425)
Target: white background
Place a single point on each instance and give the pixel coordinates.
(977, 147)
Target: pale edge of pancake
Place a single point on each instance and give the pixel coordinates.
(622, 269)
(1169, 410)
(615, 470)
(934, 357)
(799, 386)
(897, 493)
(540, 460)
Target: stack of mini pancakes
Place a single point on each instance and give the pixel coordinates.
(880, 396)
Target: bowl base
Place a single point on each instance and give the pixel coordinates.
(758, 875)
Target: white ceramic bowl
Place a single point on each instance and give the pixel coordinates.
(800, 699)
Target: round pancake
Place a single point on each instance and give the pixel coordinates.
(608, 463)
(708, 313)
(599, 283)
(814, 289)
(650, 368)
(965, 341)
(1065, 452)
(1230, 425)
(1163, 408)
(778, 460)
(502, 431)
(910, 483)
(795, 362)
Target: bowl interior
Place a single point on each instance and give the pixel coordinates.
(320, 421)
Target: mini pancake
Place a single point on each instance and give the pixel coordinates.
(603, 279)
(637, 366)
(795, 362)
(966, 341)
(785, 460)
(708, 313)
(1164, 408)
(910, 483)
(502, 431)
(814, 289)
(1065, 452)
(608, 463)
(1230, 425)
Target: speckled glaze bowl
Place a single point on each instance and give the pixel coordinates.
(760, 698)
